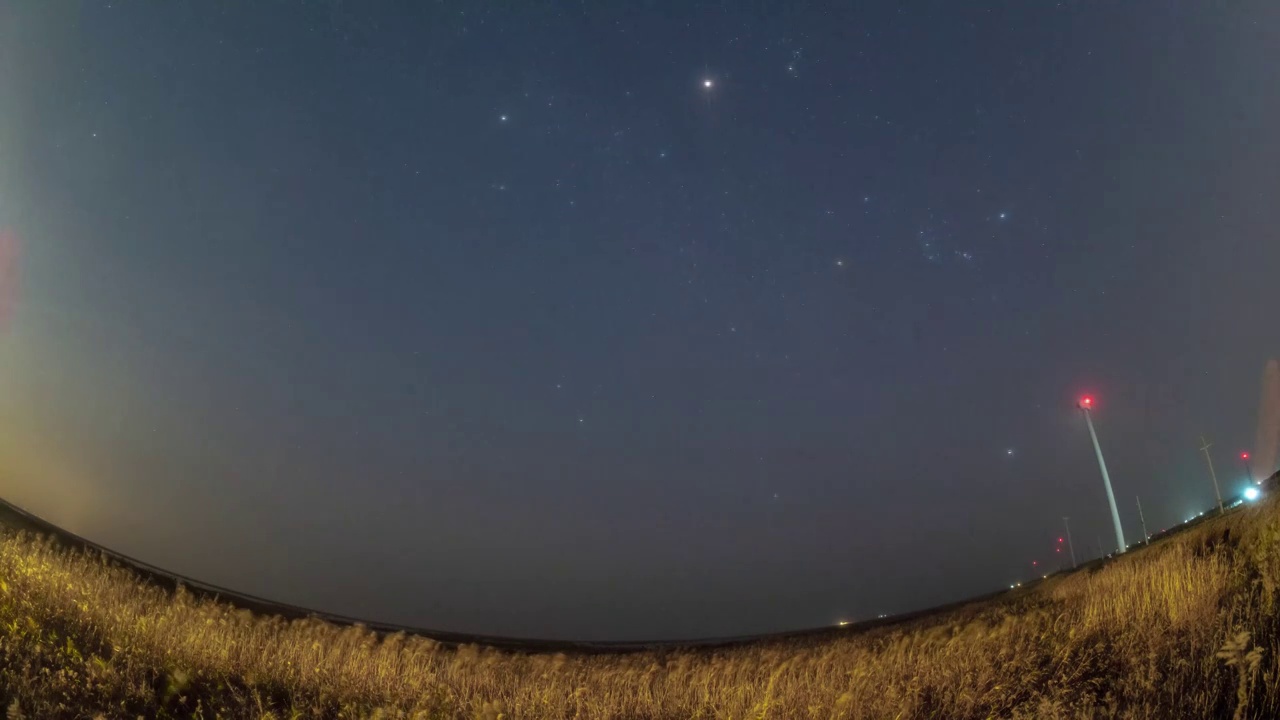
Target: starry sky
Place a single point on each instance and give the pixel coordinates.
(638, 320)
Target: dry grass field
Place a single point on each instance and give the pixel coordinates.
(1184, 629)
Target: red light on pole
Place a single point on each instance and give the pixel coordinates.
(1086, 406)
(1248, 468)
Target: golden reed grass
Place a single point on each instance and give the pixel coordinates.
(1184, 629)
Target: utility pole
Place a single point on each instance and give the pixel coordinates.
(1204, 447)
(1086, 404)
(1067, 521)
(1146, 539)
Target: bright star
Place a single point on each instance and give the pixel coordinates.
(707, 83)
(503, 118)
(1003, 215)
(839, 263)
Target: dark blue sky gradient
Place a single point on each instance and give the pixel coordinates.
(495, 318)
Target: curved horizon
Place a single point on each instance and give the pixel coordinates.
(610, 320)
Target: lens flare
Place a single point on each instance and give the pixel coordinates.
(8, 275)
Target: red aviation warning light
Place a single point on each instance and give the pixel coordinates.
(1086, 402)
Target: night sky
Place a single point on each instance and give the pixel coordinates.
(634, 320)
